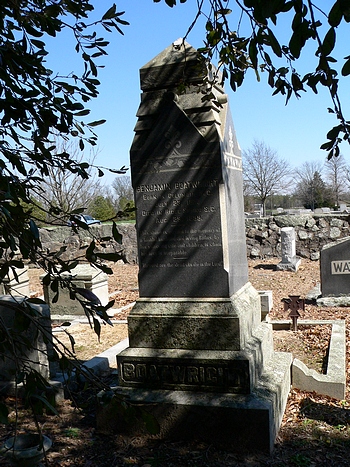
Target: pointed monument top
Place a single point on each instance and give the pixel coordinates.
(175, 65)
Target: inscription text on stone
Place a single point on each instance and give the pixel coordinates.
(231, 377)
(340, 267)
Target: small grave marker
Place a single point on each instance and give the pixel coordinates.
(289, 262)
(294, 303)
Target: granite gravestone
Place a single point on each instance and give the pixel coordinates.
(83, 276)
(335, 269)
(185, 242)
(39, 335)
(199, 352)
(289, 262)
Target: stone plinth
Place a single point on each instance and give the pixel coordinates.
(266, 301)
(289, 262)
(235, 422)
(16, 284)
(198, 351)
(83, 276)
(36, 357)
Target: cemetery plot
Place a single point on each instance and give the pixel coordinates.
(315, 429)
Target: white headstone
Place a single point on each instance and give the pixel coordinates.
(289, 261)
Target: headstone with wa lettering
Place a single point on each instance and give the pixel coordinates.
(335, 269)
(199, 356)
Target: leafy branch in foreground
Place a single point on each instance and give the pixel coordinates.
(38, 107)
(259, 48)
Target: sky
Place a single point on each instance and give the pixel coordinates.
(295, 131)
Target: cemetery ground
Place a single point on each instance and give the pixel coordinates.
(315, 430)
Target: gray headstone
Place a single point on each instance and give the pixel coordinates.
(188, 188)
(289, 262)
(16, 282)
(335, 268)
(35, 357)
(196, 328)
(83, 276)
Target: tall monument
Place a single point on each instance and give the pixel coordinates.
(198, 351)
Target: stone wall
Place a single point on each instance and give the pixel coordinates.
(312, 233)
(76, 242)
(263, 236)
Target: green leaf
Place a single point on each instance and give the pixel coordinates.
(97, 122)
(118, 237)
(34, 229)
(253, 52)
(296, 83)
(274, 43)
(334, 132)
(88, 295)
(110, 13)
(223, 12)
(345, 71)
(33, 32)
(82, 113)
(46, 279)
(335, 15)
(45, 402)
(72, 341)
(329, 42)
(90, 251)
(295, 44)
(97, 327)
(3, 413)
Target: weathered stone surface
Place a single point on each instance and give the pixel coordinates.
(336, 223)
(35, 357)
(334, 232)
(315, 256)
(197, 324)
(322, 223)
(289, 261)
(310, 222)
(82, 276)
(315, 234)
(213, 417)
(335, 268)
(188, 188)
(303, 235)
(54, 238)
(16, 285)
(291, 221)
(333, 383)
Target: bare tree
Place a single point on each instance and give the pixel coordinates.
(311, 189)
(66, 191)
(337, 173)
(264, 171)
(122, 192)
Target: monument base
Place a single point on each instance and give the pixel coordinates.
(206, 370)
(235, 422)
(289, 266)
(340, 300)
